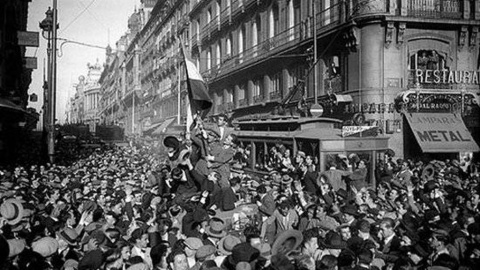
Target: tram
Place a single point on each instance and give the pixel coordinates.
(322, 138)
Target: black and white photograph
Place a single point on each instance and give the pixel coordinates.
(239, 135)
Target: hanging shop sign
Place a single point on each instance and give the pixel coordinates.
(447, 76)
(429, 101)
(369, 108)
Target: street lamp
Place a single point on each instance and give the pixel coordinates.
(49, 27)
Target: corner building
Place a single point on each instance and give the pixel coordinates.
(386, 58)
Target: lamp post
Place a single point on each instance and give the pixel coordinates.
(49, 26)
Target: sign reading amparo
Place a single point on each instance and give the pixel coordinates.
(441, 132)
(447, 76)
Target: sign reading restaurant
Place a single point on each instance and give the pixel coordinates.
(447, 76)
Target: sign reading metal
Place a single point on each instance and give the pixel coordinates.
(441, 132)
(26, 38)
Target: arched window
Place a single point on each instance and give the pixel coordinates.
(274, 21)
(241, 43)
(424, 60)
(291, 20)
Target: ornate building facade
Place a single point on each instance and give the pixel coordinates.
(381, 59)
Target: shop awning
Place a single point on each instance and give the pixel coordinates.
(161, 129)
(441, 133)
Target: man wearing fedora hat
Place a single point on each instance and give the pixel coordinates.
(215, 231)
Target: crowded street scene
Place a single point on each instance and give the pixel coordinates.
(240, 135)
(180, 206)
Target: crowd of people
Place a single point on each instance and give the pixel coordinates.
(191, 205)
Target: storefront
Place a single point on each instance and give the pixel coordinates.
(440, 123)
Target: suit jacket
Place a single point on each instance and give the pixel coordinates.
(309, 180)
(268, 205)
(335, 178)
(390, 252)
(227, 199)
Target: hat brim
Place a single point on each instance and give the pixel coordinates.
(213, 234)
(278, 244)
(19, 207)
(66, 240)
(221, 246)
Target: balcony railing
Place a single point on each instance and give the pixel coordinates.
(435, 8)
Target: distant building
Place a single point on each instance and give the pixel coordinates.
(86, 101)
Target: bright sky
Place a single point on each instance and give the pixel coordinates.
(96, 22)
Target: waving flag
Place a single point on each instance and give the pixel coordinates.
(199, 101)
(197, 88)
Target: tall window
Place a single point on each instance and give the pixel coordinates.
(276, 85)
(257, 90)
(256, 33)
(228, 45)
(241, 43)
(209, 58)
(197, 28)
(241, 94)
(218, 54)
(274, 21)
(209, 15)
(217, 11)
(291, 20)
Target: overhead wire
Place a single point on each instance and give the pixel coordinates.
(78, 16)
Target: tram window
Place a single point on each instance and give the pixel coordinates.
(260, 156)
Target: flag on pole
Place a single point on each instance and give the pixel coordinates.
(199, 101)
(197, 88)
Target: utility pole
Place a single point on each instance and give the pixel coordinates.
(316, 109)
(49, 26)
